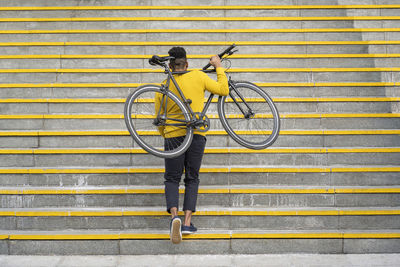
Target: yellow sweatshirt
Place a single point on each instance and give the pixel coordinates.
(193, 85)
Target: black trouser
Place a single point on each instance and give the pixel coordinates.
(190, 161)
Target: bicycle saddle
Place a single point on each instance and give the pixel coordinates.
(157, 60)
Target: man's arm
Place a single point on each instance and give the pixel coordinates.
(219, 87)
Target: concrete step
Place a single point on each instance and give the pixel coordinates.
(341, 105)
(114, 34)
(204, 242)
(122, 90)
(228, 196)
(122, 63)
(176, 4)
(196, 11)
(151, 48)
(362, 176)
(277, 77)
(121, 139)
(205, 218)
(118, 63)
(219, 156)
(115, 121)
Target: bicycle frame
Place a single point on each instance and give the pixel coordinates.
(196, 121)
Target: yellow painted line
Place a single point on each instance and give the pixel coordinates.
(122, 191)
(366, 190)
(212, 116)
(143, 236)
(41, 151)
(236, 56)
(63, 236)
(203, 43)
(368, 212)
(279, 170)
(285, 235)
(203, 170)
(16, 151)
(3, 237)
(197, 7)
(211, 132)
(70, 85)
(122, 100)
(7, 213)
(371, 235)
(134, 85)
(281, 191)
(95, 213)
(66, 171)
(10, 192)
(360, 132)
(364, 150)
(234, 235)
(285, 213)
(41, 213)
(314, 235)
(148, 213)
(145, 31)
(366, 169)
(75, 19)
(105, 213)
(233, 70)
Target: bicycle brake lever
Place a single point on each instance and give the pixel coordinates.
(232, 52)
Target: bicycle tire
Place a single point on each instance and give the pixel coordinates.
(139, 114)
(257, 131)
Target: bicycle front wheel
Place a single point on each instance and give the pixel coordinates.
(143, 120)
(249, 116)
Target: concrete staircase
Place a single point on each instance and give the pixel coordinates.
(72, 181)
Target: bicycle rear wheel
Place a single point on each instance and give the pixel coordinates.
(142, 122)
(249, 116)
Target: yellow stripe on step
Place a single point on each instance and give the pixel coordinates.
(237, 56)
(204, 43)
(198, 7)
(134, 85)
(145, 31)
(234, 235)
(266, 212)
(277, 18)
(233, 70)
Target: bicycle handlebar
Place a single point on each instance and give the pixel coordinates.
(227, 51)
(157, 60)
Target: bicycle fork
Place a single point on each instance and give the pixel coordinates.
(250, 113)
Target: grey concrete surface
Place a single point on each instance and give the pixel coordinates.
(218, 223)
(284, 260)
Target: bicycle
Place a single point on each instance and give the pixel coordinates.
(247, 114)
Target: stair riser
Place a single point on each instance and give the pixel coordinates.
(118, 108)
(123, 93)
(287, 179)
(146, 160)
(203, 222)
(113, 124)
(81, 63)
(134, 50)
(187, 37)
(212, 141)
(294, 77)
(235, 246)
(202, 13)
(222, 200)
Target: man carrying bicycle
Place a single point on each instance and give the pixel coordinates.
(193, 85)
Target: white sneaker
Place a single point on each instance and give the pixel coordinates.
(175, 230)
